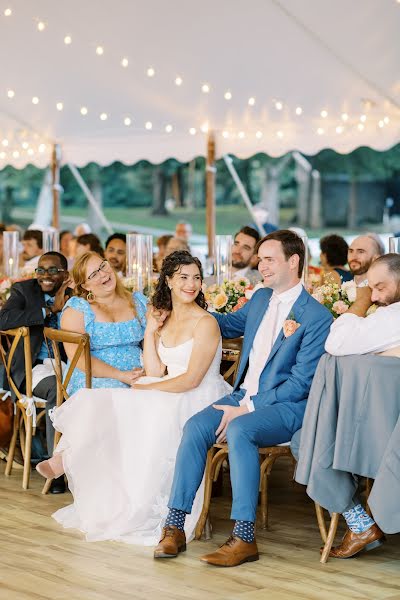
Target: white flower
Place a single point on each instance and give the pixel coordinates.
(249, 293)
(350, 289)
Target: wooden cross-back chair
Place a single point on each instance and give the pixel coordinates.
(55, 337)
(218, 453)
(26, 418)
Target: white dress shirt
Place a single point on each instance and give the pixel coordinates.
(379, 331)
(278, 311)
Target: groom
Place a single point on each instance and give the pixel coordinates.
(284, 331)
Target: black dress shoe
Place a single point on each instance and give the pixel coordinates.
(58, 485)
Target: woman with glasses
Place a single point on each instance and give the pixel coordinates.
(119, 446)
(114, 319)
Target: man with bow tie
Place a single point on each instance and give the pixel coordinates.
(284, 331)
(37, 303)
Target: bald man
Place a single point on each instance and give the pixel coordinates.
(362, 252)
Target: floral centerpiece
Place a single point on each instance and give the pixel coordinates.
(130, 284)
(230, 296)
(5, 289)
(337, 298)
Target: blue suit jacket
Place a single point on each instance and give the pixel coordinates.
(290, 367)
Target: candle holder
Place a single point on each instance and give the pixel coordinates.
(11, 254)
(223, 258)
(139, 261)
(51, 240)
(394, 245)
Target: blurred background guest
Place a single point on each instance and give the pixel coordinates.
(82, 229)
(115, 252)
(32, 243)
(333, 258)
(66, 237)
(89, 242)
(162, 242)
(174, 244)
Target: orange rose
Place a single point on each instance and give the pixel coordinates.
(289, 327)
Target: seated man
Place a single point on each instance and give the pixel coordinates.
(378, 333)
(36, 303)
(362, 252)
(115, 253)
(284, 332)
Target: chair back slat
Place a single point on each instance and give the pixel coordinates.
(16, 335)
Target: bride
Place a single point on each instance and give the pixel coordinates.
(118, 446)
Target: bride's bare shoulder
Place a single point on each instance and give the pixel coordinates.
(207, 325)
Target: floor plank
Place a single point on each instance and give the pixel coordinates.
(41, 561)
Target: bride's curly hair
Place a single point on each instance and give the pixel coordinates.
(171, 265)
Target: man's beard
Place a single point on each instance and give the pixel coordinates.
(362, 269)
(391, 299)
(239, 264)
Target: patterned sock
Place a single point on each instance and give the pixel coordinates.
(244, 530)
(176, 518)
(357, 519)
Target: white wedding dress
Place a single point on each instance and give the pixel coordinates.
(119, 448)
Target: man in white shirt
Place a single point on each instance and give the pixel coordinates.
(378, 333)
(244, 253)
(362, 252)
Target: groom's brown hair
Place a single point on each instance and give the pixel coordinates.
(291, 244)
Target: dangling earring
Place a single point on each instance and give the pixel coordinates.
(90, 296)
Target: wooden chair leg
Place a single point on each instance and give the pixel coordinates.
(208, 481)
(27, 453)
(13, 443)
(368, 487)
(265, 470)
(331, 536)
(321, 522)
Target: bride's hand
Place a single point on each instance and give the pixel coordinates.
(155, 319)
(129, 377)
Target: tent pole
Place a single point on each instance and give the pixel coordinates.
(210, 193)
(55, 184)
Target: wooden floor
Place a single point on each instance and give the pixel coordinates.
(39, 560)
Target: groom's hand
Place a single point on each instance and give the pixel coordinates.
(230, 413)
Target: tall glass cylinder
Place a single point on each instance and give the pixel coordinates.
(139, 261)
(11, 253)
(223, 258)
(304, 275)
(51, 240)
(394, 245)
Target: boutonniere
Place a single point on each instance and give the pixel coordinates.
(290, 326)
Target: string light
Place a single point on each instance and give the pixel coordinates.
(84, 111)
(15, 154)
(279, 134)
(386, 120)
(30, 151)
(324, 114)
(228, 95)
(259, 135)
(205, 88)
(320, 131)
(149, 125)
(178, 81)
(10, 93)
(59, 106)
(298, 111)
(127, 121)
(35, 100)
(192, 131)
(339, 129)
(225, 134)
(42, 148)
(251, 101)
(67, 40)
(103, 116)
(204, 127)
(363, 118)
(8, 12)
(25, 145)
(278, 105)
(4, 143)
(150, 72)
(345, 117)
(41, 26)
(124, 62)
(99, 50)
(381, 124)
(3, 155)
(168, 128)
(360, 126)
(241, 135)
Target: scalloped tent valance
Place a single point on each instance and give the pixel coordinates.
(128, 80)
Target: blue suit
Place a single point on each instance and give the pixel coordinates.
(279, 403)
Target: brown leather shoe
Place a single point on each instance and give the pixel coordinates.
(172, 542)
(354, 543)
(233, 553)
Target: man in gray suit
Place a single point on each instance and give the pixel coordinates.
(353, 333)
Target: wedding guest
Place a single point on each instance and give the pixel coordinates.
(37, 303)
(284, 331)
(354, 333)
(114, 319)
(65, 239)
(333, 257)
(119, 446)
(162, 242)
(362, 253)
(243, 253)
(89, 242)
(32, 243)
(176, 244)
(184, 231)
(82, 229)
(115, 252)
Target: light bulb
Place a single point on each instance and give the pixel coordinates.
(204, 127)
(192, 131)
(59, 106)
(35, 100)
(251, 101)
(149, 125)
(178, 81)
(259, 135)
(84, 110)
(225, 134)
(4, 143)
(345, 117)
(278, 105)
(339, 129)
(228, 95)
(25, 145)
(324, 114)
(41, 26)
(299, 110)
(168, 128)
(386, 120)
(30, 151)
(205, 88)
(42, 148)
(15, 154)
(8, 12)
(241, 134)
(381, 124)
(279, 134)
(10, 93)
(150, 72)
(2, 155)
(67, 40)
(360, 126)
(127, 121)
(103, 116)
(99, 50)
(363, 118)
(124, 62)
(320, 131)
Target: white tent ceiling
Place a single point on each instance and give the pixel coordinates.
(336, 56)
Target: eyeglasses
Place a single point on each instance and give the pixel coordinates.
(104, 267)
(49, 271)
